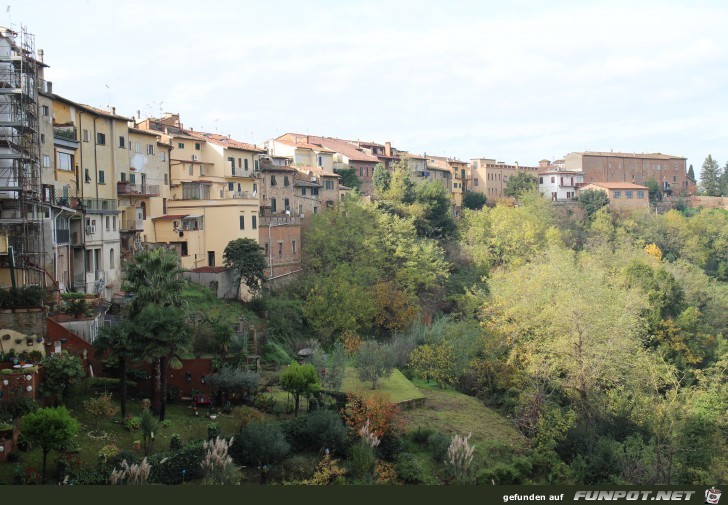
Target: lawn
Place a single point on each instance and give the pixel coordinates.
(452, 412)
(396, 386)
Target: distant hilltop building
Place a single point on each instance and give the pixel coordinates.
(669, 171)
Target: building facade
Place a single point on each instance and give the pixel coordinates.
(490, 177)
(622, 195)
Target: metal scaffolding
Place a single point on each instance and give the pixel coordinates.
(21, 215)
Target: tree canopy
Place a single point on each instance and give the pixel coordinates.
(247, 260)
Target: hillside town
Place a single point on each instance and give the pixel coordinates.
(309, 309)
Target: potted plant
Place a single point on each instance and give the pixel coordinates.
(39, 340)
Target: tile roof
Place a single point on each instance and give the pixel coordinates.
(338, 145)
(658, 156)
(93, 110)
(144, 132)
(319, 171)
(617, 185)
(224, 141)
(169, 217)
(305, 145)
(306, 184)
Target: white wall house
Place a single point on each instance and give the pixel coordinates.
(559, 185)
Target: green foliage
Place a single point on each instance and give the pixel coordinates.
(21, 296)
(180, 465)
(330, 367)
(373, 361)
(381, 179)
(299, 380)
(260, 444)
(235, 380)
(175, 442)
(519, 184)
(474, 200)
(324, 429)
(347, 177)
(435, 219)
(710, 177)
(410, 469)
(49, 428)
(61, 371)
(16, 407)
(361, 461)
(247, 260)
(653, 188)
(592, 200)
(438, 444)
(213, 430)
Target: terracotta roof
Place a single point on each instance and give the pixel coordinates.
(338, 145)
(145, 132)
(208, 270)
(305, 145)
(93, 110)
(268, 167)
(617, 185)
(169, 217)
(658, 156)
(306, 184)
(319, 171)
(224, 141)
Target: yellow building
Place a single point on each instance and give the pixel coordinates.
(459, 178)
(490, 177)
(214, 192)
(102, 154)
(622, 195)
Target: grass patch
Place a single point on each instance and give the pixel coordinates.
(451, 412)
(397, 386)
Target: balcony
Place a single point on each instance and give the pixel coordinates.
(132, 225)
(242, 194)
(97, 205)
(128, 189)
(64, 132)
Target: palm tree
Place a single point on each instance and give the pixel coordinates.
(120, 343)
(154, 277)
(164, 334)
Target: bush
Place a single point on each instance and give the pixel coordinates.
(389, 447)
(133, 423)
(175, 442)
(97, 384)
(165, 424)
(186, 459)
(260, 444)
(265, 403)
(361, 461)
(213, 431)
(17, 407)
(297, 468)
(422, 435)
(325, 429)
(512, 473)
(409, 469)
(438, 443)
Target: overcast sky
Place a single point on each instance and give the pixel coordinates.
(516, 82)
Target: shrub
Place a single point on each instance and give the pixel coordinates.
(460, 458)
(297, 468)
(133, 423)
(514, 472)
(389, 447)
(422, 435)
(246, 415)
(134, 474)
(409, 469)
(218, 467)
(106, 453)
(175, 442)
(186, 459)
(97, 384)
(361, 461)
(213, 430)
(165, 424)
(325, 429)
(261, 444)
(17, 407)
(438, 443)
(265, 403)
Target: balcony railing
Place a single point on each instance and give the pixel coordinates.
(242, 194)
(92, 204)
(126, 188)
(132, 225)
(65, 132)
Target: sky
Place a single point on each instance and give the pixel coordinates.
(515, 81)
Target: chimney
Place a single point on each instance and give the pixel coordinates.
(139, 114)
(388, 149)
(40, 55)
(113, 110)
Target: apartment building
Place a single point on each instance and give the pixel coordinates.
(214, 182)
(558, 183)
(490, 177)
(622, 195)
(458, 180)
(345, 156)
(669, 171)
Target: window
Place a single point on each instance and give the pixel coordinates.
(628, 194)
(112, 259)
(166, 179)
(321, 164)
(46, 161)
(303, 191)
(191, 169)
(150, 149)
(242, 222)
(195, 191)
(211, 258)
(122, 142)
(255, 222)
(641, 195)
(143, 206)
(65, 162)
(475, 183)
(197, 146)
(86, 175)
(256, 165)
(272, 204)
(42, 138)
(314, 191)
(232, 164)
(294, 247)
(46, 110)
(266, 248)
(246, 164)
(231, 186)
(674, 178)
(286, 204)
(180, 145)
(286, 182)
(329, 184)
(85, 135)
(617, 194)
(113, 223)
(280, 248)
(132, 178)
(102, 179)
(164, 205)
(101, 139)
(361, 172)
(240, 163)
(202, 169)
(137, 147)
(164, 156)
(272, 180)
(108, 223)
(183, 249)
(553, 179)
